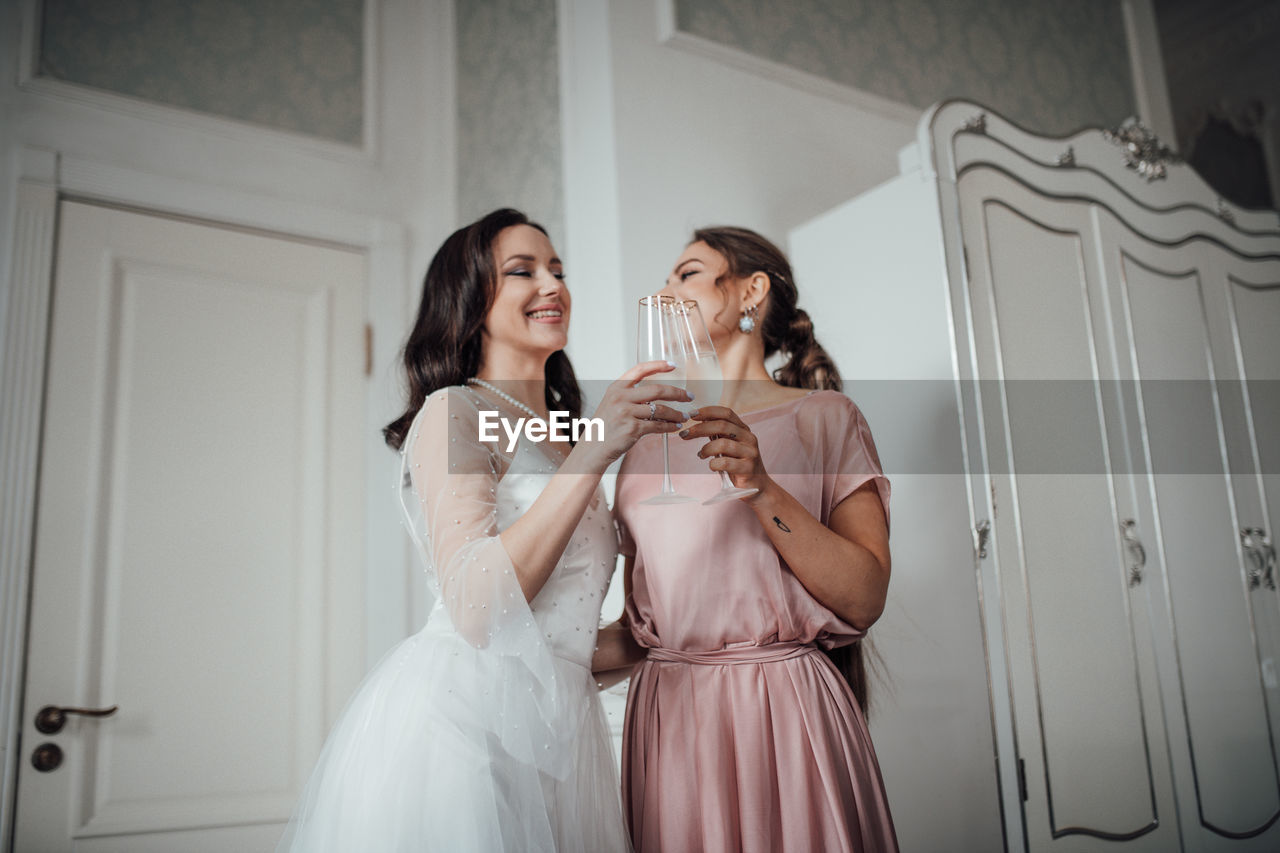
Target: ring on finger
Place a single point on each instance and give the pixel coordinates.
(653, 410)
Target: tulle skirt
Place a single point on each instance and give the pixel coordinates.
(446, 747)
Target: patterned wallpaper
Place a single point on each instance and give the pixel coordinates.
(294, 65)
(1051, 67)
(509, 111)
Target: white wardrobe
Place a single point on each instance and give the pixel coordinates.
(1069, 350)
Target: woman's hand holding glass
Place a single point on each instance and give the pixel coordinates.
(732, 449)
(633, 408)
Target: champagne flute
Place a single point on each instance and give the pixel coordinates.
(704, 380)
(660, 339)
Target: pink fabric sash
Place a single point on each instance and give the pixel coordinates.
(768, 653)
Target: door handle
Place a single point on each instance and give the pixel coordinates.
(981, 533)
(1137, 554)
(50, 719)
(1262, 554)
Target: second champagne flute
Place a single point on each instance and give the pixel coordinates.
(704, 380)
(659, 338)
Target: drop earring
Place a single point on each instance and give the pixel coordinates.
(747, 322)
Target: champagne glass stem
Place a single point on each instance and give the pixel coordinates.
(667, 488)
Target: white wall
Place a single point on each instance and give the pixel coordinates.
(660, 139)
(701, 141)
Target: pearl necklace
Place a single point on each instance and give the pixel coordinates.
(504, 395)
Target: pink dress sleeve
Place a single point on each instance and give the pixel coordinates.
(850, 458)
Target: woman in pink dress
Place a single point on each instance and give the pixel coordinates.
(744, 727)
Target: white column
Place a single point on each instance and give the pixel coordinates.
(593, 249)
(26, 331)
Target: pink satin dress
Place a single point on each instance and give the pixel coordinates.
(740, 734)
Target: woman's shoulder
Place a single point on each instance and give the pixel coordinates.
(449, 411)
(819, 407)
(465, 392)
(834, 416)
(829, 405)
(783, 400)
(456, 399)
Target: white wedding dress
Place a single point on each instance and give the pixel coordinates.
(483, 731)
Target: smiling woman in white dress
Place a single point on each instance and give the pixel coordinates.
(483, 731)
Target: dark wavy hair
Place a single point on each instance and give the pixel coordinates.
(786, 328)
(444, 347)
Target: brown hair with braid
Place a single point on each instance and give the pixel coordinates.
(444, 347)
(786, 328)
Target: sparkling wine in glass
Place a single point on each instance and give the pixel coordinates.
(661, 338)
(704, 380)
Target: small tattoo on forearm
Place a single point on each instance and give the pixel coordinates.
(782, 525)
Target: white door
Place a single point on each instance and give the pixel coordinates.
(1198, 319)
(1088, 727)
(199, 534)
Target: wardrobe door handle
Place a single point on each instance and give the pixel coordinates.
(1137, 554)
(1262, 555)
(981, 533)
(50, 719)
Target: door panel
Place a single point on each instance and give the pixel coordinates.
(1083, 678)
(199, 537)
(1254, 313)
(1201, 415)
(1222, 695)
(1253, 320)
(1253, 310)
